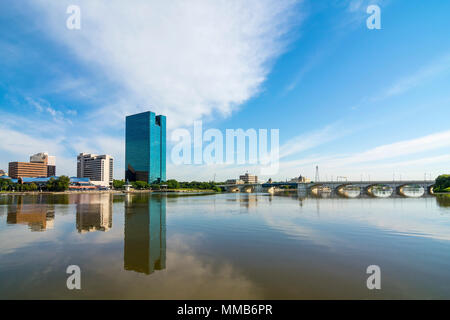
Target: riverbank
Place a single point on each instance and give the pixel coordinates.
(34, 193)
(17, 193)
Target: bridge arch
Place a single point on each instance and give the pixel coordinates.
(349, 190)
(379, 190)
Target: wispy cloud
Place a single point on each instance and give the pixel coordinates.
(313, 139)
(399, 149)
(19, 146)
(307, 67)
(355, 5)
(413, 155)
(184, 59)
(42, 105)
(423, 75)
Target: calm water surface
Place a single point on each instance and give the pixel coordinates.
(227, 246)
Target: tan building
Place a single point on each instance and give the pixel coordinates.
(234, 181)
(27, 170)
(301, 179)
(49, 161)
(249, 178)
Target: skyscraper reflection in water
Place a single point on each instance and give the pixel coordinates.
(145, 233)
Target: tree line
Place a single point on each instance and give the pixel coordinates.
(171, 184)
(59, 184)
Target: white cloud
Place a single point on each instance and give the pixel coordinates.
(380, 161)
(42, 105)
(38, 105)
(186, 59)
(430, 71)
(361, 5)
(20, 143)
(411, 156)
(355, 5)
(101, 144)
(313, 139)
(19, 146)
(402, 148)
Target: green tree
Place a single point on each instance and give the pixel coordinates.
(60, 184)
(63, 183)
(155, 186)
(173, 184)
(442, 183)
(140, 185)
(5, 184)
(118, 184)
(50, 184)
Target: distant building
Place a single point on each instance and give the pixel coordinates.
(145, 147)
(27, 169)
(249, 178)
(234, 181)
(77, 184)
(2, 173)
(49, 161)
(98, 168)
(300, 179)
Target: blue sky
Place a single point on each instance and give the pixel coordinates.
(356, 102)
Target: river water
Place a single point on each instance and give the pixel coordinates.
(223, 246)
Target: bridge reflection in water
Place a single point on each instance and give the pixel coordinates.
(356, 192)
(145, 233)
(378, 189)
(350, 189)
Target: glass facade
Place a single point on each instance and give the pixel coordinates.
(145, 234)
(145, 147)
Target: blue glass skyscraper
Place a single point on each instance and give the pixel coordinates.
(145, 147)
(145, 234)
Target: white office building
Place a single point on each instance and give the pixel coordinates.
(98, 168)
